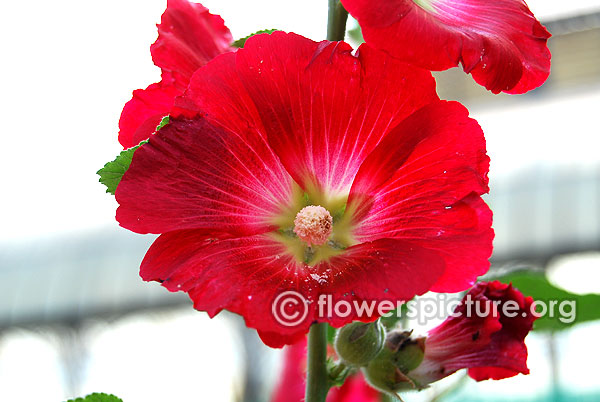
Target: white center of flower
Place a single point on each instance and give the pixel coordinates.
(313, 225)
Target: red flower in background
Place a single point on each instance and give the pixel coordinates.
(490, 346)
(188, 37)
(500, 43)
(292, 383)
(296, 165)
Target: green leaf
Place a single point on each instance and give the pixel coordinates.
(569, 308)
(356, 34)
(391, 320)
(112, 172)
(163, 122)
(97, 397)
(241, 42)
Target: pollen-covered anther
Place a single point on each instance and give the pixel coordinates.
(313, 225)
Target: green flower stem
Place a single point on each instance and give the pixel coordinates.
(336, 22)
(317, 384)
(317, 378)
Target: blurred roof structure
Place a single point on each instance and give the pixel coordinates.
(544, 212)
(68, 278)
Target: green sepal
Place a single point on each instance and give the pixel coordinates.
(97, 397)
(391, 319)
(112, 173)
(242, 41)
(337, 372)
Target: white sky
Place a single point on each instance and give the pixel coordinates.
(552, 9)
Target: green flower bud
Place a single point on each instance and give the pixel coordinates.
(358, 343)
(400, 355)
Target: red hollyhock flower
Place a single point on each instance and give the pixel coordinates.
(292, 383)
(188, 37)
(292, 165)
(500, 43)
(490, 346)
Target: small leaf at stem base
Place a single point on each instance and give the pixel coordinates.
(112, 172)
(97, 397)
(242, 41)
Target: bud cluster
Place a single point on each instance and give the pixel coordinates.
(385, 360)
(390, 370)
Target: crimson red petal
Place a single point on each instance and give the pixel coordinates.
(496, 373)
(171, 258)
(292, 381)
(242, 275)
(501, 43)
(188, 38)
(192, 175)
(246, 275)
(434, 171)
(355, 389)
(144, 112)
(381, 270)
(322, 108)
(216, 92)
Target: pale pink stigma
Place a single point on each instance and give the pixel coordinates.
(313, 225)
